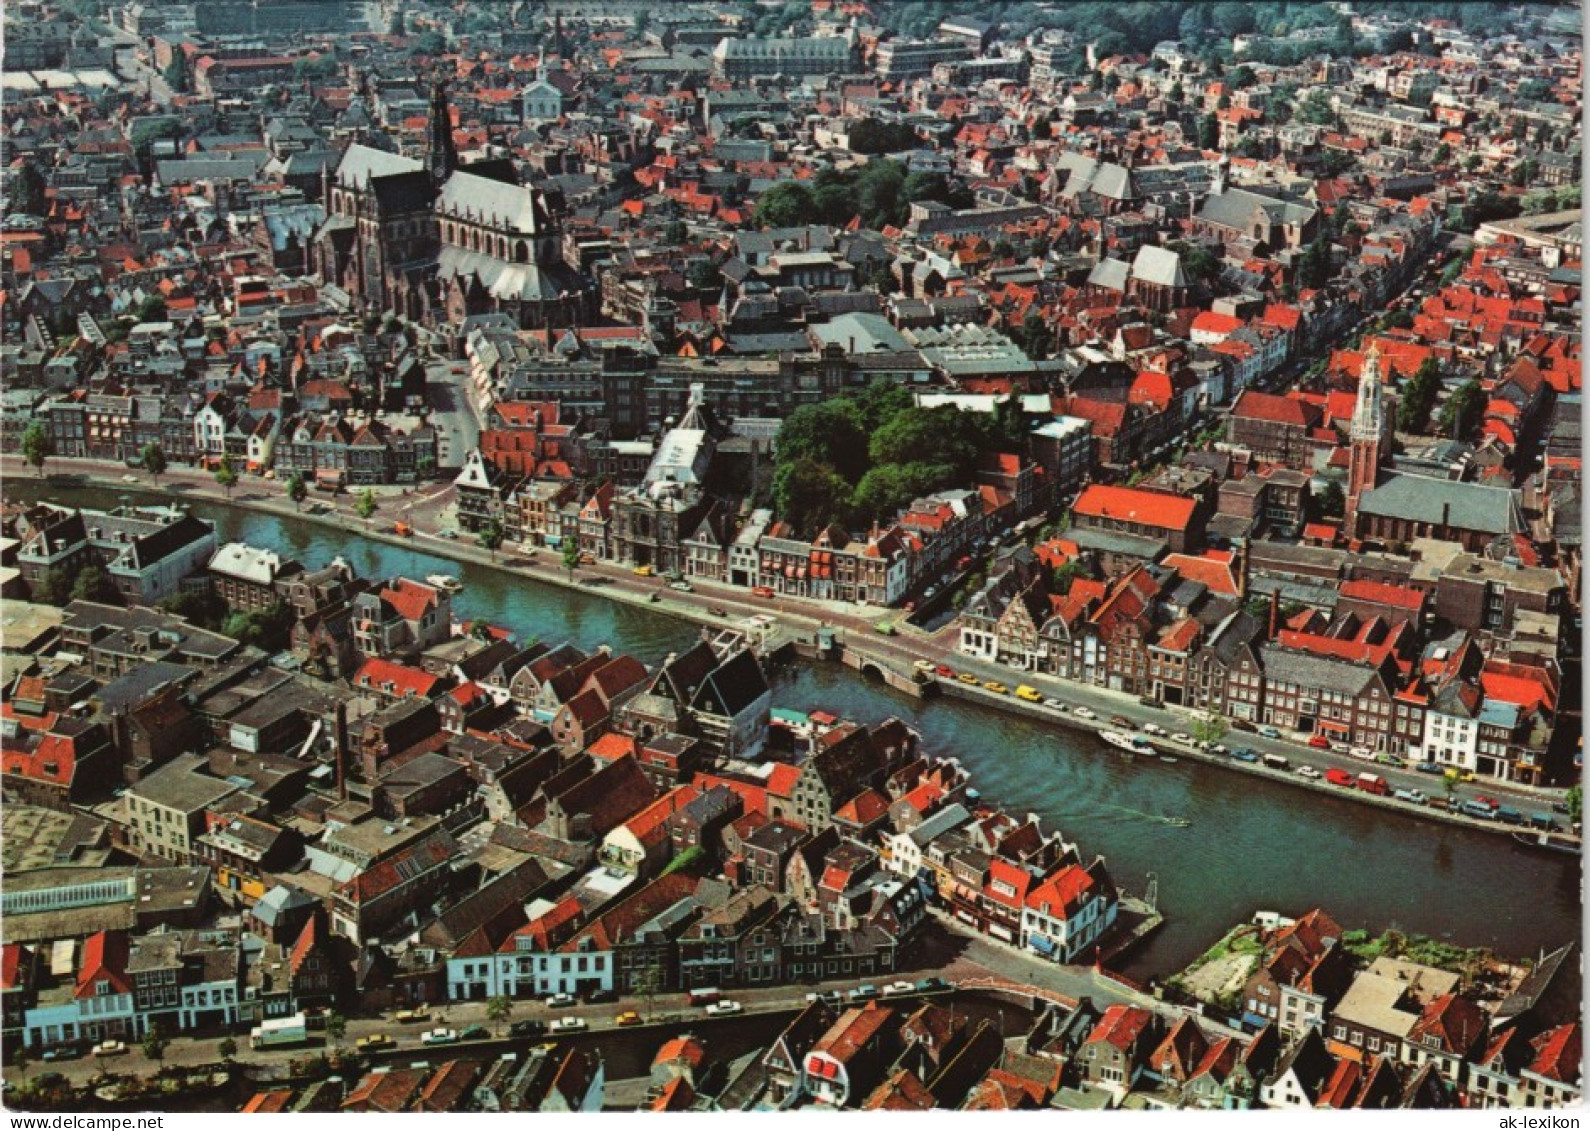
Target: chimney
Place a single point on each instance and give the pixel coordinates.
(1275, 612)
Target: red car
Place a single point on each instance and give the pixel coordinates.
(1491, 801)
(761, 591)
(1320, 742)
(946, 672)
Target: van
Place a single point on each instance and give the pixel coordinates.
(1374, 783)
(1276, 762)
(1339, 777)
(1509, 816)
(1477, 809)
(705, 995)
(1030, 694)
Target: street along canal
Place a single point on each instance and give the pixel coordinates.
(1251, 843)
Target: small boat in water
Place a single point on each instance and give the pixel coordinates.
(1132, 744)
(444, 581)
(1550, 842)
(1169, 759)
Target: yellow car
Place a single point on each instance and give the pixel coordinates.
(627, 1018)
(406, 1016)
(374, 1042)
(968, 678)
(643, 571)
(1030, 694)
(996, 687)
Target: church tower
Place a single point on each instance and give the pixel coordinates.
(1367, 436)
(441, 154)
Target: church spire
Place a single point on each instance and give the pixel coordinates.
(442, 155)
(1369, 412)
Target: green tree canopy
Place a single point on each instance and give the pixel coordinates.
(1418, 397)
(1463, 412)
(810, 495)
(826, 433)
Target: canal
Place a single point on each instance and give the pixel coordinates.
(1251, 844)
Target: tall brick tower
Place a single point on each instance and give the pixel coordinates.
(1367, 436)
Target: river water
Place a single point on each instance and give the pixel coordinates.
(1252, 844)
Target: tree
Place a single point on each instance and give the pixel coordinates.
(54, 587)
(154, 1043)
(705, 275)
(1397, 320)
(1463, 412)
(1035, 337)
(886, 490)
(499, 1009)
(676, 232)
(1209, 727)
(809, 495)
(227, 1048)
(176, 75)
(1575, 802)
(571, 556)
(396, 27)
(1208, 132)
(297, 490)
(927, 435)
(267, 629)
(1066, 574)
(1418, 397)
(365, 505)
(202, 607)
(828, 433)
(92, 584)
(154, 460)
(336, 1027)
(490, 537)
(1331, 502)
(788, 204)
(20, 1060)
(26, 192)
(226, 475)
(37, 446)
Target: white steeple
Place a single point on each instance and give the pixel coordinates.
(1369, 413)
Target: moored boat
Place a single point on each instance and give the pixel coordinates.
(444, 581)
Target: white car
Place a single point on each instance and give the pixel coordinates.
(1057, 705)
(1084, 713)
(560, 1001)
(724, 1008)
(568, 1025)
(898, 989)
(1307, 772)
(440, 1037)
(923, 665)
(1184, 739)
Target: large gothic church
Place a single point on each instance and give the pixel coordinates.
(438, 242)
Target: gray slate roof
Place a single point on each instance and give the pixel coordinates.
(1466, 506)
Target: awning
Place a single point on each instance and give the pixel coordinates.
(1332, 724)
(328, 475)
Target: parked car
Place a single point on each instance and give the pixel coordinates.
(1028, 694)
(1085, 713)
(996, 687)
(568, 1025)
(969, 679)
(1057, 705)
(642, 571)
(944, 671)
(923, 665)
(1243, 754)
(1121, 721)
(375, 1042)
(1412, 796)
(828, 997)
(527, 1029)
(761, 591)
(1340, 777)
(682, 586)
(475, 1033)
(1308, 772)
(1269, 732)
(1428, 768)
(1182, 737)
(1319, 742)
(61, 1052)
(560, 1001)
(724, 1008)
(440, 1037)
(863, 992)
(626, 1019)
(933, 985)
(406, 1016)
(898, 989)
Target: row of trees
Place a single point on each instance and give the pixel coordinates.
(864, 456)
(881, 193)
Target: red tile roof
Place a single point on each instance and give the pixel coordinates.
(104, 960)
(1128, 504)
(377, 674)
